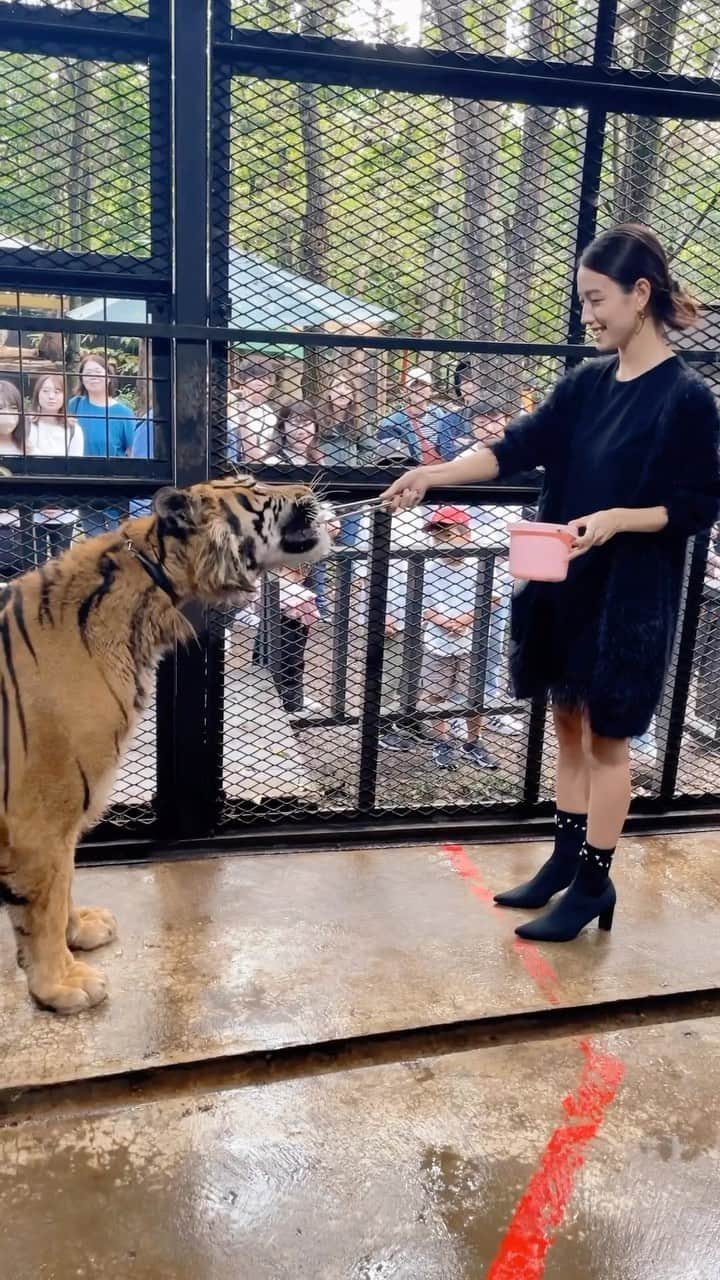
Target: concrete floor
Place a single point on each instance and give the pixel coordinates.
(232, 955)
(554, 1149)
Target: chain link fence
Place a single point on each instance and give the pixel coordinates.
(367, 261)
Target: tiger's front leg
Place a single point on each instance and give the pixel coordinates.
(37, 898)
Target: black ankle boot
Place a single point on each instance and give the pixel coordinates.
(555, 874)
(570, 914)
(591, 896)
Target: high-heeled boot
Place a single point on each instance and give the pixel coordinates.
(555, 874)
(591, 896)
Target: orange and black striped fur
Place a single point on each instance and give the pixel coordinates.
(80, 638)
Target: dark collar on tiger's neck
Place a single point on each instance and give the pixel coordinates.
(154, 570)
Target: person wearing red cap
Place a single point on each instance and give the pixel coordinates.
(448, 611)
(631, 439)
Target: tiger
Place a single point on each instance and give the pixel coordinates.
(82, 635)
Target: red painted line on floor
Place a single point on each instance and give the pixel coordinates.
(466, 868)
(541, 1209)
(539, 969)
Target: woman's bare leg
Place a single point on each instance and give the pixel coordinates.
(573, 764)
(610, 789)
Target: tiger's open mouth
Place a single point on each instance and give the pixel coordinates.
(298, 541)
(300, 535)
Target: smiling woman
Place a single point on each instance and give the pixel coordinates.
(629, 443)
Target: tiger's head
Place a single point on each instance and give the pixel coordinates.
(214, 539)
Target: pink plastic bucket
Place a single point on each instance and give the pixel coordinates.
(539, 552)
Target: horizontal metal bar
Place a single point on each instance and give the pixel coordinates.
(273, 337)
(515, 491)
(409, 69)
(141, 279)
(131, 474)
(289, 337)
(112, 37)
(349, 830)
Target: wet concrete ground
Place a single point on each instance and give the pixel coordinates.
(232, 955)
(566, 1149)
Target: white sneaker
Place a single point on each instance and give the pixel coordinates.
(247, 618)
(308, 708)
(507, 726)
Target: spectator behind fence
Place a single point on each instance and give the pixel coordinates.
(298, 613)
(107, 426)
(342, 435)
(297, 429)
(406, 729)
(143, 445)
(250, 415)
(448, 615)
(297, 433)
(13, 427)
(416, 423)
(342, 442)
(486, 423)
(13, 443)
(53, 434)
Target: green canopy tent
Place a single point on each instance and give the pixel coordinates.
(263, 296)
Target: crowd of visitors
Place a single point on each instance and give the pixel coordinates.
(90, 418)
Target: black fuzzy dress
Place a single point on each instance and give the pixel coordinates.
(603, 638)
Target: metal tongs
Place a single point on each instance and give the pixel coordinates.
(339, 511)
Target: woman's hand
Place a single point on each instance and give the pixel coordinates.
(409, 490)
(594, 530)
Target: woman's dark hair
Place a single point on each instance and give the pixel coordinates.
(297, 409)
(11, 402)
(633, 252)
(108, 365)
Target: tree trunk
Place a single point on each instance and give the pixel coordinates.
(524, 227)
(635, 196)
(475, 127)
(438, 260)
(523, 233)
(79, 178)
(316, 19)
(314, 239)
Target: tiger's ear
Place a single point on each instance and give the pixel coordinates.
(178, 511)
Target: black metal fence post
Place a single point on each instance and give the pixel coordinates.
(341, 634)
(191, 806)
(592, 161)
(412, 636)
(684, 667)
(372, 699)
(481, 631)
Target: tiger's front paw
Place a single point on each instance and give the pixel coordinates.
(78, 987)
(90, 927)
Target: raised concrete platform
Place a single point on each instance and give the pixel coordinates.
(227, 956)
